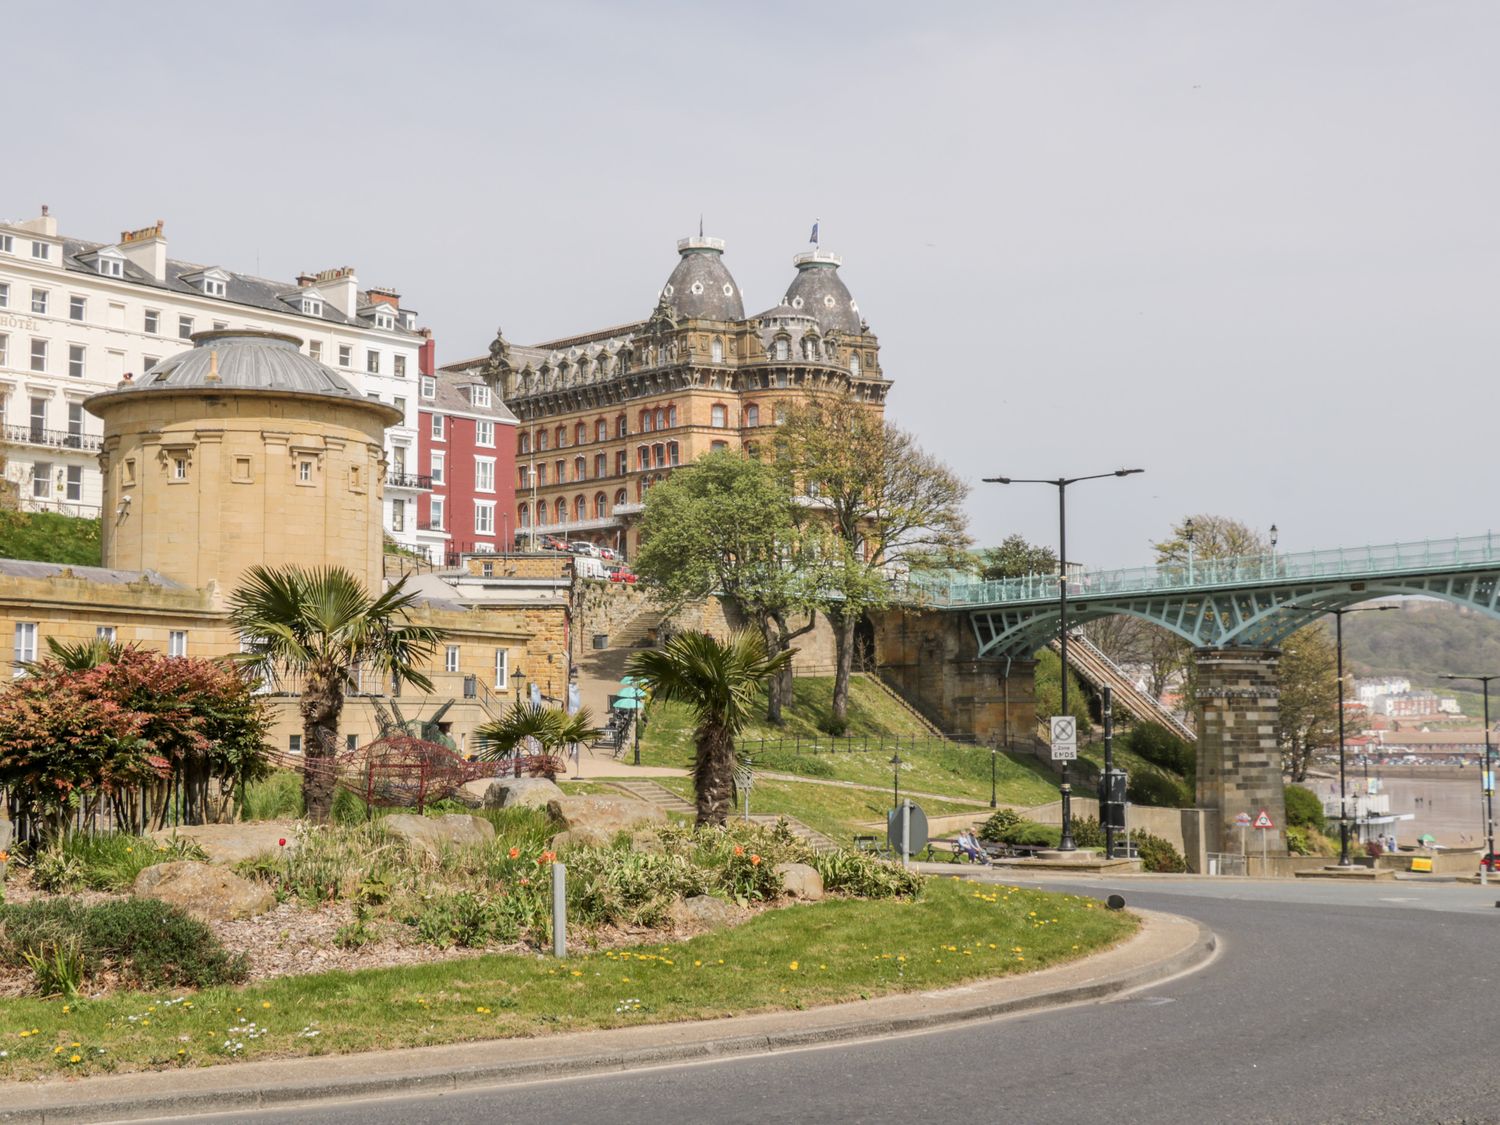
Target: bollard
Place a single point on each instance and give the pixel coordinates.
(559, 910)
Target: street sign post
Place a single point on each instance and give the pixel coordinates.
(744, 781)
(906, 830)
(1242, 822)
(1263, 824)
(1064, 738)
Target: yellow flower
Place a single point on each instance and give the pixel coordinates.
(265, 1003)
(482, 1010)
(793, 966)
(74, 1059)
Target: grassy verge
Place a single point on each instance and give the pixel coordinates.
(796, 957)
(834, 811)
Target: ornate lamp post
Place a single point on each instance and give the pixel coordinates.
(1061, 484)
(896, 780)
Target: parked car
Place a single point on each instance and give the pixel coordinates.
(1490, 862)
(621, 574)
(586, 567)
(608, 553)
(552, 543)
(583, 547)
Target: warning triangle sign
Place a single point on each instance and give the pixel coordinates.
(1262, 820)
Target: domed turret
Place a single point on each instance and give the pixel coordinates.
(700, 288)
(818, 291)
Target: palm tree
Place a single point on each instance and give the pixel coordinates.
(720, 682)
(319, 626)
(79, 656)
(549, 727)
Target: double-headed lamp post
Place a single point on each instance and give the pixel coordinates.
(1061, 484)
(1486, 780)
(1338, 644)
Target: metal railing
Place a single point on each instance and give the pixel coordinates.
(849, 744)
(52, 439)
(408, 480)
(956, 590)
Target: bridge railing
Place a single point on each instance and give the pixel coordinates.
(952, 590)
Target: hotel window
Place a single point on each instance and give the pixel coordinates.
(184, 327)
(429, 387)
(717, 351)
(541, 475)
(38, 355)
(315, 350)
(41, 250)
(580, 469)
(372, 362)
(601, 465)
(561, 468)
(105, 633)
(601, 506)
(75, 425)
(752, 415)
(439, 464)
(4, 350)
(484, 434)
(601, 430)
(541, 440)
(7, 244)
(25, 649)
(437, 513)
(400, 404)
(153, 321)
(304, 471)
(622, 427)
(622, 463)
(398, 515)
(294, 743)
(523, 516)
(580, 434)
(783, 349)
(672, 453)
(718, 416)
(73, 485)
(562, 437)
(484, 474)
(502, 669)
(4, 294)
(399, 365)
(523, 476)
(177, 642)
(213, 287)
(718, 446)
(484, 517)
(110, 267)
(75, 360)
(311, 307)
(179, 468)
(39, 301)
(646, 417)
(41, 480)
(149, 361)
(479, 395)
(438, 428)
(78, 308)
(346, 355)
(523, 443)
(450, 659)
(671, 415)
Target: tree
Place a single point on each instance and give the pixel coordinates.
(879, 501)
(1016, 558)
(1308, 713)
(719, 682)
(545, 727)
(725, 525)
(319, 626)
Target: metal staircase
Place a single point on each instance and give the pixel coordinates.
(1090, 662)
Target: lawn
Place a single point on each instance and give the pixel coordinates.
(797, 957)
(49, 537)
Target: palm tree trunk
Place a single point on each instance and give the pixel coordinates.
(713, 776)
(322, 705)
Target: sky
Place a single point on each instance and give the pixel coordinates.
(1250, 248)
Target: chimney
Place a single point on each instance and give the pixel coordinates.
(385, 297)
(45, 226)
(147, 248)
(341, 288)
(304, 280)
(427, 354)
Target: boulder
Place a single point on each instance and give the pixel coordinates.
(598, 820)
(434, 833)
(800, 881)
(207, 891)
(704, 912)
(521, 792)
(230, 843)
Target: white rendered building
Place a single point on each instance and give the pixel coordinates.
(78, 317)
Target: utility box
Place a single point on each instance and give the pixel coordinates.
(1112, 787)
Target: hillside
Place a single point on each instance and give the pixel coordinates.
(49, 537)
(1423, 641)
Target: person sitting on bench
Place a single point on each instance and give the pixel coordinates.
(965, 844)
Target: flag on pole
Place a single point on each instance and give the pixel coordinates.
(813, 238)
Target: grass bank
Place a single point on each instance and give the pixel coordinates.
(793, 958)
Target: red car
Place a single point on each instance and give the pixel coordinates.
(621, 574)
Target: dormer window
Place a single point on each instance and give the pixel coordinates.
(409, 321)
(213, 287)
(311, 306)
(429, 387)
(109, 266)
(479, 395)
(783, 348)
(384, 320)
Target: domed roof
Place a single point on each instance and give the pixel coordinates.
(239, 359)
(700, 288)
(818, 291)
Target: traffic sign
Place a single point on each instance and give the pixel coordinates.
(1263, 820)
(1242, 820)
(914, 821)
(1064, 738)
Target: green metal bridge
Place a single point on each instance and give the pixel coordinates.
(1254, 601)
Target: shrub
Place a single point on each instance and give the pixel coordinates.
(1162, 790)
(1159, 746)
(150, 944)
(1032, 835)
(1158, 854)
(865, 876)
(104, 862)
(277, 797)
(999, 823)
(1304, 810)
(1088, 832)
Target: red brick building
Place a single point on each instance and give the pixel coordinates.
(466, 442)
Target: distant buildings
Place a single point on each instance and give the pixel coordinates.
(1392, 697)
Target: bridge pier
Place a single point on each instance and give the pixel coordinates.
(932, 659)
(1239, 761)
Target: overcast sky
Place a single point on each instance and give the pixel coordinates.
(1249, 247)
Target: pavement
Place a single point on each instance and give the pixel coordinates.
(1165, 947)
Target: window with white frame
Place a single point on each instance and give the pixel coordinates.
(399, 366)
(42, 251)
(439, 465)
(25, 647)
(484, 517)
(484, 474)
(39, 302)
(177, 642)
(346, 355)
(439, 429)
(184, 327)
(479, 395)
(429, 386)
(437, 518)
(718, 416)
(105, 633)
(73, 484)
(149, 361)
(398, 515)
(315, 350)
(110, 267)
(75, 360)
(213, 287)
(384, 320)
(450, 659)
(4, 350)
(502, 669)
(400, 404)
(716, 351)
(153, 321)
(372, 361)
(7, 244)
(294, 743)
(311, 306)
(78, 308)
(4, 294)
(484, 434)
(38, 355)
(75, 424)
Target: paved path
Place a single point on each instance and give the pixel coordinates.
(1327, 1003)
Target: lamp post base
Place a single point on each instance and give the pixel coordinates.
(1066, 843)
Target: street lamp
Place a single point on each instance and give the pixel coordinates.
(1338, 632)
(896, 780)
(1061, 484)
(1486, 780)
(1187, 535)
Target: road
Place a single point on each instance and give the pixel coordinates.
(1327, 1003)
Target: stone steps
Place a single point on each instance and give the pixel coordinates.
(814, 839)
(655, 793)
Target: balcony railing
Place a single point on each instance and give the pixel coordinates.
(408, 480)
(52, 439)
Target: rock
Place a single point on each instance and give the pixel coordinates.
(434, 833)
(521, 793)
(230, 843)
(704, 912)
(208, 892)
(800, 881)
(598, 820)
